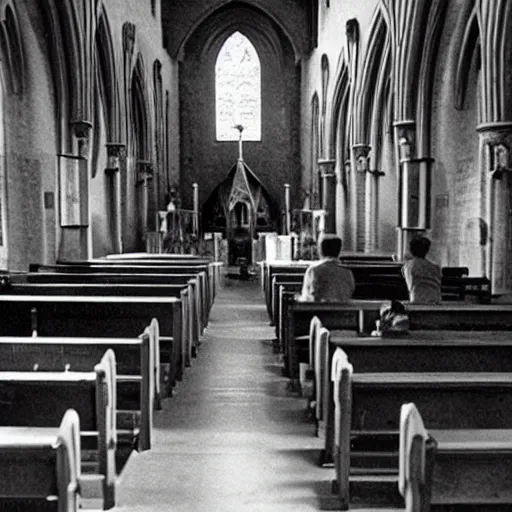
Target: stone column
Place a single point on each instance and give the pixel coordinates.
(115, 152)
(372, 209)
(496, 165)
(145, 173)
(361, 152)
(288, 215)
(328, 193)
(195, 197)
(76, 240)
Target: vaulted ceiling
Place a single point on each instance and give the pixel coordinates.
(180, 19)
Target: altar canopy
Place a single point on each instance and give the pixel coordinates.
(240, 201)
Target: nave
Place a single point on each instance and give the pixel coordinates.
(232, 438)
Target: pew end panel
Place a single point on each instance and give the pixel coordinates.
(42, 462)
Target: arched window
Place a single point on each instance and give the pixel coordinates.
(238, 89)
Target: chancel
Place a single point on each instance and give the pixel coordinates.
(172, 175)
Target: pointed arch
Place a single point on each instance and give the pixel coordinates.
(140, 112)
(325, 88)
(465, 52)
(339, 112)
(314, 185)
(380, 100)
(11, 49)
(427, 74)
(378, 45)
(238, 89)
(107, 71)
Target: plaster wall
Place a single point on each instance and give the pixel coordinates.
(31, 148)
(457, 186)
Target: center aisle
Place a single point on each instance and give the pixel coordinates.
(232, 438)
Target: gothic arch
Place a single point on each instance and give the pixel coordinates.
(254, 23)
(140, 112)
(323, 113)
(107, 71)
(233, 86)
(465, 50)
(314, 185)
(374, 60)
(11, 49)
(426, 75)
(339, 110)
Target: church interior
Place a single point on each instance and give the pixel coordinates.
(167, 170)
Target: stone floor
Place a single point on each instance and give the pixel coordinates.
(232, 438)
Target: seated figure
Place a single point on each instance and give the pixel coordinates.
(423, 277)
(328, 280)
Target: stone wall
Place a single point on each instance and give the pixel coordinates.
(274, 160)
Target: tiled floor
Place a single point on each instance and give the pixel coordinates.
(232, 438)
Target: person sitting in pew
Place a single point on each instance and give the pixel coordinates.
(423, 277)
(328, 280)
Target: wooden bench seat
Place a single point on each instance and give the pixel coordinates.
(136, 371)
(468, 467)
(191, 306)
(40, 399)
(47, 458)
(101, 317)
(360, 317)
(366, 404)
(199, 271)
(211, 268)
(190, 281)
(421, 351)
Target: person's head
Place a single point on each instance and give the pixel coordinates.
(329, 246)
(419, 246)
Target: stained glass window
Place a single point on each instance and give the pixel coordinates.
(238, 90)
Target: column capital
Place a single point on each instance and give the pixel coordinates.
(115, 149)
(81, 128)
(145, 167)
(326, 166)
(361, 152)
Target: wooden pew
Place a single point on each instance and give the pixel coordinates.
(48, 459)
(190, 322)
(199, 271)
(95, 316)
(359, 316)
(366, 423)
(135, 373)
(421, 351)
(40, 399)
(211, 268)
(214, 266)
(392, 287)
(185, 280)
(468, 468)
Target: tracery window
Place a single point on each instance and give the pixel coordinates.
(238, 90)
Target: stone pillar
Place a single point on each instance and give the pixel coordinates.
(361, 152)
(115, 151)
(328, 193)
(145, 173)
(287, 208)
(372, 210)
(496, 165)
(76, 239)
(195, 197)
